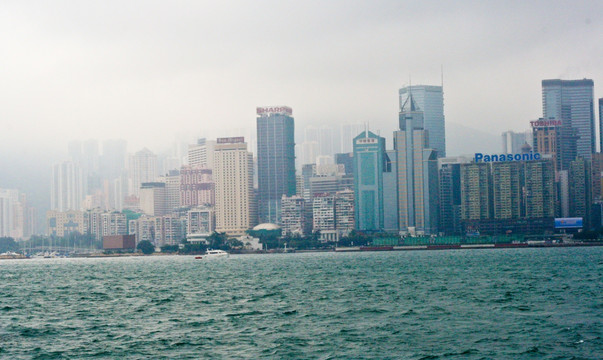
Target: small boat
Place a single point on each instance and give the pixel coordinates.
(210, 254)
(198, 257)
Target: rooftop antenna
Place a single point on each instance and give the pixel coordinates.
(442, 74)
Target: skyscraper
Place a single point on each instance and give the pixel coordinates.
(417, 168)
(201, 154)
(67, 192)
(600, 124)
(233, 176)
(143, 168)
(572, 101)
(430, 99)
(513, 141)
(276, 160)
(369, 163)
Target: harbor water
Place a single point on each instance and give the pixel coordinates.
(450, 304)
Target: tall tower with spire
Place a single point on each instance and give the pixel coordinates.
(416, 171)
(430, 99)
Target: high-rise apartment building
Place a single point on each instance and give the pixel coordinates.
(294, 216)
(201, 154)
(142, 169)
(345, 213)
(417, 168)
(276, 160)
(476, 191)
(201, 221)
(113, 160)
(539, 189)
(67, 188)
(233, 176)
(196, 186)
(369, 165)
(153, 198)
(507, 186)
(430, 99)
(572, 102)
(172, 189)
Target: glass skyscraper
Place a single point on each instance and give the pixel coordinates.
(369, 165)
(430, 99)
(572, 102)
(276, 160)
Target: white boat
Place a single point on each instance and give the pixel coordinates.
(211, 254)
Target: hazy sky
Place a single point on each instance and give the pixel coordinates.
(151, 71)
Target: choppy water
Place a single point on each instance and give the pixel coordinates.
(470, 304)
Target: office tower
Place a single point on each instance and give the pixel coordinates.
(572, 101)
(142, 169)
(507, 186)
(153, 198)
(417, 172)
(476, 191)
(276, 160)
(67, 187)
(233, 176)
(347, 160)
(597, 177)
(294, 216)
(580, 190)
(172, 189)
(390, 189)
(196, 186)
(513, 141)
(370, 161)
(450, 193)
(601, 125)
(201, 154)
(430, 99)
(113, 160)
(539, 189)
(551, 137)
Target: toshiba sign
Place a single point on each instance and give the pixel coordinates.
(276, 110)
(545, 123)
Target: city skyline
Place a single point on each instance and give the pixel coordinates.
(70, 76)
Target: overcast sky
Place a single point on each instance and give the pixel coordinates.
(154, 71)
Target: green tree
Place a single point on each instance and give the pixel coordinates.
(8, 244)
(217, 240)
(146, 247)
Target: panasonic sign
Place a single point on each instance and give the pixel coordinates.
(507, 157)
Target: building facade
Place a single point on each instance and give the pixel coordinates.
(67, 187)
(233, 176)
(276, 160)
(417, 176)
(370, 164)
(430, 99)
(572, 102)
